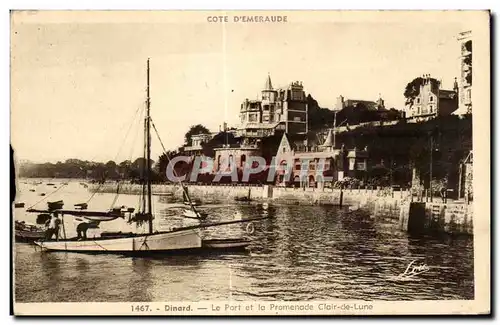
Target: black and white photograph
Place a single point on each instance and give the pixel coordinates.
(250, 162)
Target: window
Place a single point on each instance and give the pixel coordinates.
(351, 163)
(431, 109)
(431, 98)
(361, 165)
(418, 110)
(418, 100)
(283, 164)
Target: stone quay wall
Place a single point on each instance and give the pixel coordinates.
(454, 218)
(426, 217)
(380, 201)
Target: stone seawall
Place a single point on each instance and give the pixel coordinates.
(426, 217)
(377, 200)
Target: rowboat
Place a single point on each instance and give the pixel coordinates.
(226, 244)
(26, 232)
(194, 214)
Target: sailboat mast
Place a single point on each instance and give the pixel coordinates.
(148, 154)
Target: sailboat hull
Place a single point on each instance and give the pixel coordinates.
(151, 243)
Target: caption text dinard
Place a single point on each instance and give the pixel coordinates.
(253, 307)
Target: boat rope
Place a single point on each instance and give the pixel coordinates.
(144, 243)
(185, 192)
(95, 242)
(92, 196)
(128, 131)
(47, 196)
(116, 196)
(119, 149)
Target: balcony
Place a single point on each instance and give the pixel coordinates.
(193, 148)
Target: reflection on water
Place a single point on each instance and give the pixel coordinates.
(301, 253)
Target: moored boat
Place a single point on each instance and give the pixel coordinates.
(26, 232)
(55, 205)
(182, 239)
(81, 206)
(226, 244)
(194, 214)
(242, 199)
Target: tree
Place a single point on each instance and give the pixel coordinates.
(412, 89)
(125, 168)
(163, 161)
(194, 130)
(318, 118)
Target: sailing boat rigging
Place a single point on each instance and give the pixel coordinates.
(178, 239)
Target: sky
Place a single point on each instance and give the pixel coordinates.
(78, 84)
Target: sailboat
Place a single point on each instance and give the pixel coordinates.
(175, 240)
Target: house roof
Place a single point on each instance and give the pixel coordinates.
(269, 85)
(259, 125)
(371, 105)
(316, 154)
(329, 139)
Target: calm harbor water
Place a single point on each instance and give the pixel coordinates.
(301, 253)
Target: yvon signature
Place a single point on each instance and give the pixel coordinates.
(413, 269)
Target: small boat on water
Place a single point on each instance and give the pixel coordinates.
(56, 205)
(81, 206)
(163, 194)
(19, 205)
(26, 232)
(352, 209)
(229, 244)
(194, 214)
(41, 194)
(243, 199)
(50, 184)
(32, 190)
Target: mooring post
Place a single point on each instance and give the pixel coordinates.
(341, 196)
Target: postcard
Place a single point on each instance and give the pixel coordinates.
(250, 162)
